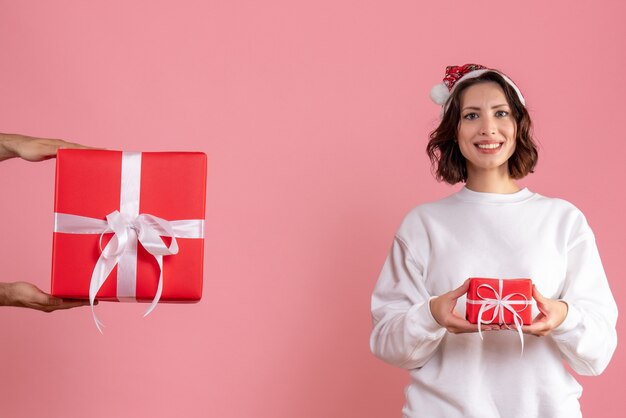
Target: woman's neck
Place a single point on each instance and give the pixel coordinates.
(491, 181)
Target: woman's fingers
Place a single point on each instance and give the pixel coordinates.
(459, 291)
(539, 329)
(458, 325)
(442, 309)
(553, 313)
(538, 296)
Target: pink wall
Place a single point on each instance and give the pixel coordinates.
(314, 117)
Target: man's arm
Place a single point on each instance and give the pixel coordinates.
(24, 294)
(31, 148)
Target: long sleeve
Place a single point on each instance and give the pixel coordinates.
(405, 334)
(587, 338)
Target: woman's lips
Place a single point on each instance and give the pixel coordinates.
(489, 147)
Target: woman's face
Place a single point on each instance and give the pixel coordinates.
(487, 129)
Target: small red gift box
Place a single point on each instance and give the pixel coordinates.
(129, 225)
(499, 301)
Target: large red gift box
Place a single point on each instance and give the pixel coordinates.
(150, 195)
(500, 300)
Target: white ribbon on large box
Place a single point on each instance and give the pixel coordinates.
(128, 227)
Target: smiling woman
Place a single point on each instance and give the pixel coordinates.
(483, 106)
(491, 229)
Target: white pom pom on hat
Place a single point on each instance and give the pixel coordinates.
(441, 92)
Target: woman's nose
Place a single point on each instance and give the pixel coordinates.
(487, 127)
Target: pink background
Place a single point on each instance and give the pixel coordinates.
(314, 116)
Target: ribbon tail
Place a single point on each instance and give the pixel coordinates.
(157, 296)
(481, 311)
(99, 324)
(518, 326)
(103, 268)
(517, 319)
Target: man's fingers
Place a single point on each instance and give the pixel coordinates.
(49, 149)
(76, 146)
(39, 297)
(53, 300)
(72, 303)
(59, 304)
(32, 294)
(39, 149)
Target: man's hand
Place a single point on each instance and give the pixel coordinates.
(27, 295)
(30, 148)
(442, 308)
(552, 314)
(24, 294)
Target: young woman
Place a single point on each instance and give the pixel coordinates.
(491, 228)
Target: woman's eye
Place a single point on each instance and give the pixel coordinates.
(470, 116)
(502, 113)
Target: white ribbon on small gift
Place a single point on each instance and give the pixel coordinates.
(128, 227)
(500, 304)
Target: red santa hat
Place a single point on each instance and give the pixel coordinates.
(442, 91)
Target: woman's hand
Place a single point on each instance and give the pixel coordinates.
(30, 148)
(442, 309)
(552, 314)
(27, 295)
